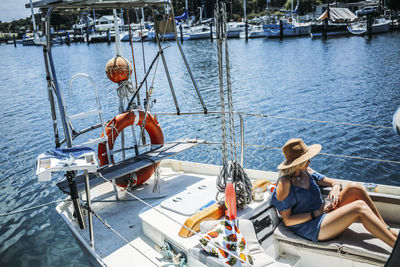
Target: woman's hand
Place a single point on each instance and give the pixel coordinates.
(320, 211)
(334, 194)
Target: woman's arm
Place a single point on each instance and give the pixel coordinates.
(290, 219)
(335, 191)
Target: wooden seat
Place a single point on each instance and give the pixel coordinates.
(131, 165)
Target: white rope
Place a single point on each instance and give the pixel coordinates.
(229, 91)
(231, 169)
(125, 89)
(219, 32)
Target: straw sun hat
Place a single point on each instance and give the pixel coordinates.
(296, 152)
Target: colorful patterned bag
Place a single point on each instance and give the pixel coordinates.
(227, 236)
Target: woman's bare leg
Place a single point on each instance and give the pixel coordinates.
(340, 219)
(356, 191)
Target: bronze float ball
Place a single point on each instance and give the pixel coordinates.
(118, 69)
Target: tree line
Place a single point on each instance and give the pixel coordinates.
(234, 12)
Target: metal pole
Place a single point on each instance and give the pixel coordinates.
(54, 82)
(241, 138)
(171, 87)
(50, 94)
(117, 37)
(187, 64)
(75, 198)
(89, 206)
(35, 34)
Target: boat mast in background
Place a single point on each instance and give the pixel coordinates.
(35, 30)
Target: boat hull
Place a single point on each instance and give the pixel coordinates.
(273, 30)
(317, 30)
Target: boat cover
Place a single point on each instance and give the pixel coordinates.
(338, 14)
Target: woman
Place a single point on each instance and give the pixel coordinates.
(298, 199)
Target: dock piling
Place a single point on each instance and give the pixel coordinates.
(87, 37)
(15, 41)
(211, 32)
(325, 29)
(246, 30)
(280, 29)
(369, 26)
(181, 32)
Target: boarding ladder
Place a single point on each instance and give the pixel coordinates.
(93, 112)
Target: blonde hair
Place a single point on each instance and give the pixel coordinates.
(289, 172)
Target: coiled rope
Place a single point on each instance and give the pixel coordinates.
(241, 181)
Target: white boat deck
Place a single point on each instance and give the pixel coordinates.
(184, 187)
(128, 216)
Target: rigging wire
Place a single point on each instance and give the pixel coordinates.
(68, 200)
(231, 169)
(33, 208)
(133, 54)
(120, 236)
(311, 120)
(321, 153)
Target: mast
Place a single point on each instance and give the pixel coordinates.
(35, 33)
(117, 36)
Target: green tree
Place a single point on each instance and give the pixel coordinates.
(393, 4)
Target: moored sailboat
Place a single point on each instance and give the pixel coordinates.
(129, 222)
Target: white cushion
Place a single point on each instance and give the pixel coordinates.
(355, 242)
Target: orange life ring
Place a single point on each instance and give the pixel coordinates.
(115, 126)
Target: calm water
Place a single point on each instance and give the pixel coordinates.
(342, 79)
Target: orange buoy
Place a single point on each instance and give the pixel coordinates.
(115, 126)
(118, 69)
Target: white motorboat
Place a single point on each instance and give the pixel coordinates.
(379, 25)
(137, 35)
(106, 22)
(199, 32)
(254, 31)
(290, 28)
(234, 29)
(147, 210)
